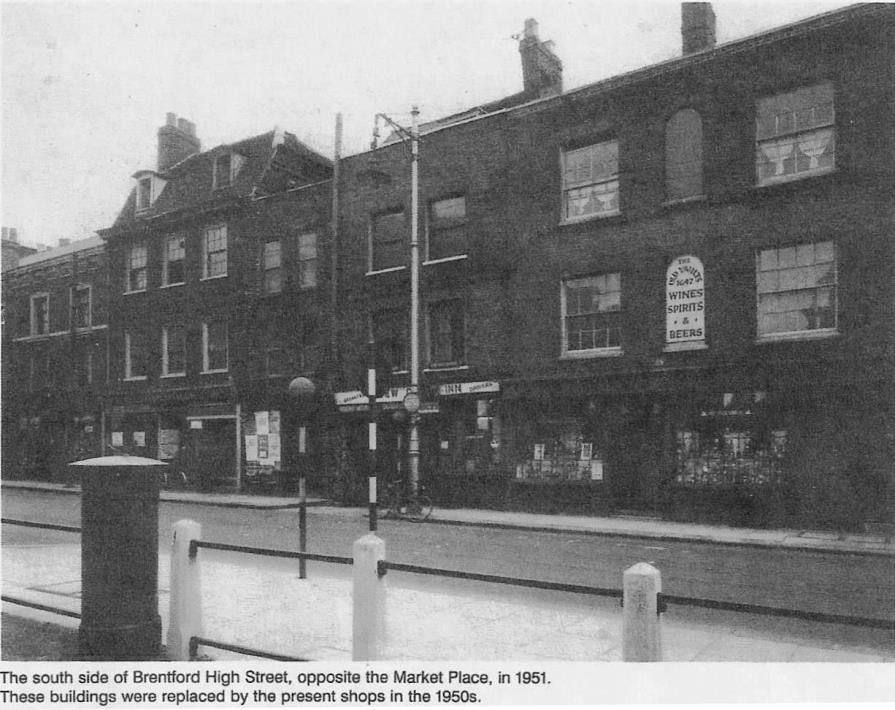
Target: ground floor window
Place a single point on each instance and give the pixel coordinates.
(559, 450)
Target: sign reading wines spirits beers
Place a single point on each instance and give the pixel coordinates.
(684, 301)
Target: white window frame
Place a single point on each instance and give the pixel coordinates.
(128, 360)
(128, 267)
(166, 371)
(33, 320)
(166, 261)
(206, 235)
(582, 183)
(71, 306)
(820, 124)
(607, 351)
(205, 355)
(760, 292)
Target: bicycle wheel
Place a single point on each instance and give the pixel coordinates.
(420, 510)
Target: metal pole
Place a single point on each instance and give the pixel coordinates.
(302, 502)
(371, 398)
(413, 445)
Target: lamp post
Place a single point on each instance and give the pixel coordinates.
(413, 136)
(302, 391)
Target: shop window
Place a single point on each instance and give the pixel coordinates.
(135, 356)
(797, 290)
(590, 181)
(273, 273)
(683, 155)
(307, 260)
(173, 265)
(173, 350)
(40, 314)
(447, 333)
(214, 346)
(214, 252)
(728, 442)
(795, 135)
(136, 268)
(447, 228)
(390, 333)
(80, 306)
(591, 315)
(388, 240)
(558, 451)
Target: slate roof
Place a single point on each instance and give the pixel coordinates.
(56, 252)
(273, 162)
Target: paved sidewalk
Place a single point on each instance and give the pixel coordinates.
(592, 525)
(262, 603)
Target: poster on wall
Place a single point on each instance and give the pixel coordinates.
(596, 470)
(262, 447)
(685, 302)
(168, 444)
(117, 438)
(587, 451)
(539, 452)
(262, 423)
(251, 447)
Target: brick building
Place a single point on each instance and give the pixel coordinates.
(13, 251)
(669, 291)
(55, 331)
(214, 266)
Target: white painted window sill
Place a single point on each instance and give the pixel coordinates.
(588, 354)
(796, 336)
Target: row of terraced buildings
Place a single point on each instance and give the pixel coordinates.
(668, 292)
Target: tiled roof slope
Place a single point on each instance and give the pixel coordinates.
(273, 162)
(56, 252)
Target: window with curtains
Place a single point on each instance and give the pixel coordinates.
(795, 135)
(590, 181)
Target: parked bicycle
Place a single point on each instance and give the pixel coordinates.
(399, 506)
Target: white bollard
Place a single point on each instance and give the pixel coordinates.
(185, 616)
(641, 635)
(368, 597)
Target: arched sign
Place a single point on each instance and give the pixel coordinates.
(685, 301)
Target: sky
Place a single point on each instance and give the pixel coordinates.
(86, 85)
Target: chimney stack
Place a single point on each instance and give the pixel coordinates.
(697, 27)
(176, 141)
(541, 67)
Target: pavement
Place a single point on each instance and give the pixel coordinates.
(262, 603)
(618, 526)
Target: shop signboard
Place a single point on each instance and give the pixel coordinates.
(455, 388)
(685, 303)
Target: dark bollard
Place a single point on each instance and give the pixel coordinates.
(119, 558)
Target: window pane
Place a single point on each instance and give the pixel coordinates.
(216, 345)
(175, 349)
(388, 241)
(592, 312)
(271, 255)
(215, 252)
(447, 228)
(307, 260)
(175, 251)
(390, 333)
(446, 333)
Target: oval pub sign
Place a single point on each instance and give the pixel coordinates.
(684, 301)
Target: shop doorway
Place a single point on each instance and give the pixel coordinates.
(213, 454)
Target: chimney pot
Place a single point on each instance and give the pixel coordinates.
(531, 28)
(541, 68)
(176, 141)
(697, 27)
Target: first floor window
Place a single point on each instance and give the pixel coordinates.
(447, 228)
(591, 313)
(795, 134)
(590, 181)
(174, 350)
(273, 274)
(277, 361)
(214, 252)
(134, 355)
(214, 341)
(390, 334)
(175, 253)
(80, 306)
(388, 238)
(796, 288)
(307, 260)
(40, 314)
(447, 333)
(136, 268)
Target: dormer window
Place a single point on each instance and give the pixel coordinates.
(144, 193)
(149, 187)
(226, 167)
